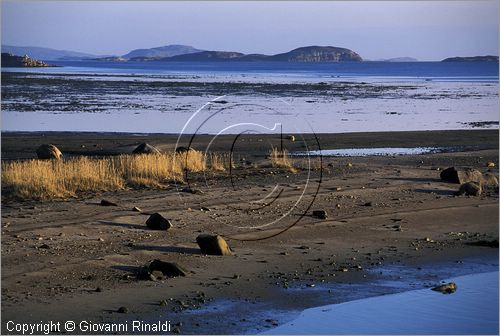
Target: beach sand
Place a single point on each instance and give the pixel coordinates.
(76, 260)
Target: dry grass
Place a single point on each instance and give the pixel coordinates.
(37, 179)
(281, 159)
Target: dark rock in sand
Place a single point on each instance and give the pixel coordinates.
(182, 149)
(46, 152)
(469, 189)
(157, 222)
(446, 288)
(122, 310)
(192, 191)
(108, 203)
(321, 214)
(213, 245)
(158, 269)
(145, 148)
(461, 176)
(486, 243)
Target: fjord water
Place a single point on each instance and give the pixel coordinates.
(462, 71)
(472, 309)
(359, 97)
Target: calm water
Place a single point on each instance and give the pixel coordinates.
(378, 151)
(366, 96)
(444, 71)
(472, 309)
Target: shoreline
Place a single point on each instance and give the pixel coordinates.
(73, 259)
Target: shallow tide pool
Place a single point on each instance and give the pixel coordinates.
(381, 151)
(472, 309)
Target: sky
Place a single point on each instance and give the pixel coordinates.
(426, 30)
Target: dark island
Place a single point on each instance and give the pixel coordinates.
(13, 61)
(488, 58)
(311, 54)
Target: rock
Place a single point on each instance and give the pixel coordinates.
(486, 243)
(46, 152)
(192, 191)
(489, 180)
(122, 310)
(44, 246)
(461, 176)
(349, 165)
(136, 209)
(490, 164)
(321, 214)
(291, 138)
(469, 189)
(213, 245)
(158, 269)
(145, 148)
(157, 222)
(369, 204)
(108, 203)
(446, 288)
(182, 149)
(11, 60)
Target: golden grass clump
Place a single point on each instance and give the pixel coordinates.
(40, 179)
(281, 159)
(220, 162)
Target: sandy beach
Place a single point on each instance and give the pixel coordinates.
(75, 260)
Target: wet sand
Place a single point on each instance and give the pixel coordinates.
(75, 260)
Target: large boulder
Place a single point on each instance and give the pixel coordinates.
(49, 151)
(145, 148)
(461, 176)
(213, 245)
(470, 189)
(157, 222)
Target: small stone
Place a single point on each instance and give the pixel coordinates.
(98, 289)
(136, 209)
(163, 303)
(213, 245)
(349, 164)
(100, 239)
(490, 164)
(44, 246)
(469, 189)
(157, 222)
(368, 204)
(321, 214)
(122, 310)
(446, 288)
(107, 203)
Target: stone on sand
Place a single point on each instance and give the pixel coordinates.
(157, 222)
(46, 152)
(446, 288)
(108, 203)
(461, 176)
(213, 245)
(321, 214)
(145, 148)
(470, 189)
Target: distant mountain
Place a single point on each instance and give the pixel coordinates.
(161, 52)
(317, 54)
(205, 56)
(488, 58)
(12, 61)
(47, 54)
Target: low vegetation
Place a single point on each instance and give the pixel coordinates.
(281, 159)
(46, 179)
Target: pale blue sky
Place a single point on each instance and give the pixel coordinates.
(426, 30)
